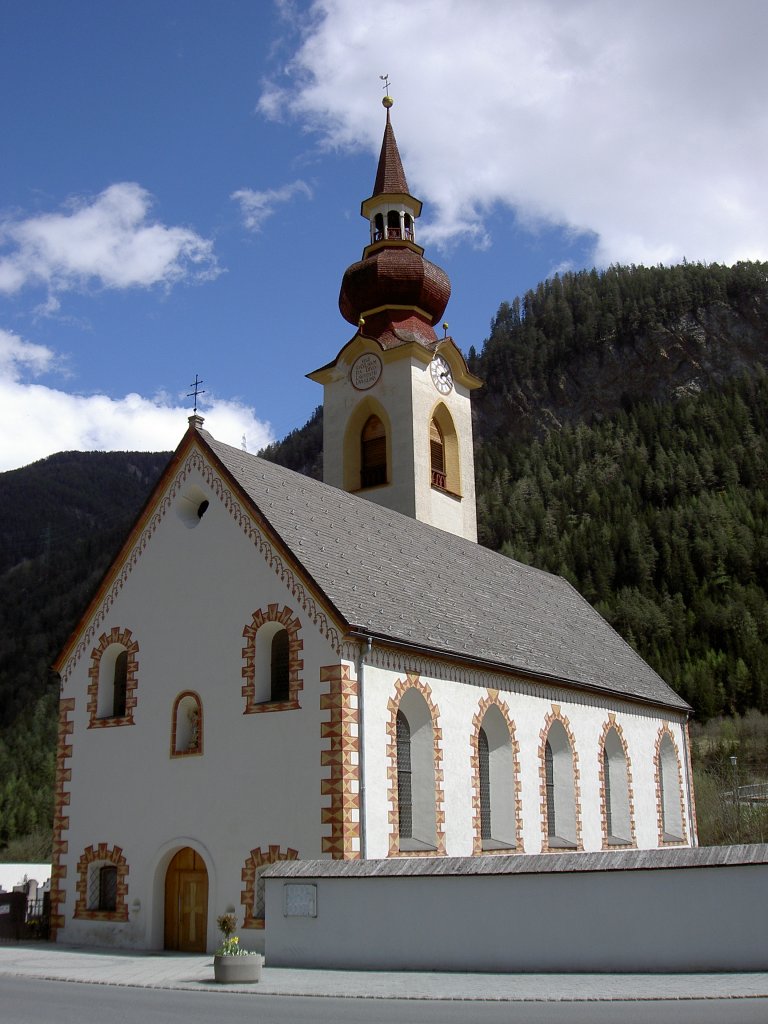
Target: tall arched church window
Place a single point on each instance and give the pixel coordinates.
(393, 224)
(404, 791)
(416, 781)
(618, 822)
(561, 824)
(373, 453)
(279, 668)
(408, 226)
(496, 782)
(378, 227)
(670, 791)
(484, 758)
(437, 455)
(549, 769)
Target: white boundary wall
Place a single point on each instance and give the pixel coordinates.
(661, 911)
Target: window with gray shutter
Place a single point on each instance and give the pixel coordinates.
(404, 792)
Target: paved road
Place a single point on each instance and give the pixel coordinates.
(28, 1001)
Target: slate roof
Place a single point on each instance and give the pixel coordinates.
(405, 581)
(530, 864)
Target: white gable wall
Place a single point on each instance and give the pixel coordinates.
(257, 783)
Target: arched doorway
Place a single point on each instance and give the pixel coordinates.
(186, 903)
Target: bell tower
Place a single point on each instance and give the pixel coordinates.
(397, 422)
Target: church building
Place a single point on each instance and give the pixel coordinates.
(275, 668)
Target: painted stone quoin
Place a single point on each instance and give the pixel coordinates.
(276, 668)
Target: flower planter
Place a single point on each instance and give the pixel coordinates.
(229, 970)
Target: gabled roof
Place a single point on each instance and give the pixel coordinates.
(410, 584)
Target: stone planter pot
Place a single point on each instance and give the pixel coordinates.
(229, 970)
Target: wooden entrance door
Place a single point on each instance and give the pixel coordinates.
(186, 903)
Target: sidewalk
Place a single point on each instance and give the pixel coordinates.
(193, 972)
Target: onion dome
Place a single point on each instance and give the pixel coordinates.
(400, 294)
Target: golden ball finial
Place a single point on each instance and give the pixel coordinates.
(361, 323)
(387, 102)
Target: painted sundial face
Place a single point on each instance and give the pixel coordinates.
(442, 377)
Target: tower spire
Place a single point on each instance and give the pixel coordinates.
(399, 294)
(390, 176)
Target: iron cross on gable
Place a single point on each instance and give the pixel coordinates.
(196, 390)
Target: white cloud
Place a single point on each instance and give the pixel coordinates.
(40, 420)
(108, 240)
(256, 207)
(642, 123)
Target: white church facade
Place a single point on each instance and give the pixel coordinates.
(276, 668)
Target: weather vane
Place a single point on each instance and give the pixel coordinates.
(387, 83)
(196, 390)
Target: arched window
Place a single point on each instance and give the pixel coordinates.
(617, 824)
(404, 791)
(113, 680)
(378, 227)
(444, 452)
(560, 806)
(393, 224)
(408, 225)
(496, 779)
(417, 817)
(187, 725)
(373, 453)
(119, 685)
(484, 757)
(437, 454)
(279, 674)
(670, 792)
(272, 661)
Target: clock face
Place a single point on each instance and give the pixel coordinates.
(442, 377)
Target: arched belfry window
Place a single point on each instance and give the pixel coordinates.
(373, 453)
(444, 452)
(437, 454)
(378, 228)
(408, 226)
(393, 224)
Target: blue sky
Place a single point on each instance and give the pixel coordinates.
(181, 181)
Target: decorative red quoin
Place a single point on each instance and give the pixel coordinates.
(341, 756)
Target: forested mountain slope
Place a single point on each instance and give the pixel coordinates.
(62, 520)
(621, 441)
